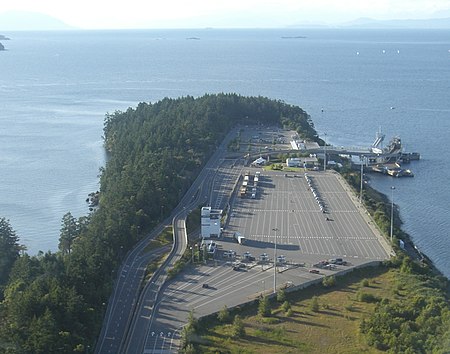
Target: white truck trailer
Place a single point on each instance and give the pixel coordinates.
(239, 238)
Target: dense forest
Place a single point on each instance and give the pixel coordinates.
(54, 302)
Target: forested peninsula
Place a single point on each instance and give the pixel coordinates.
(55, 302)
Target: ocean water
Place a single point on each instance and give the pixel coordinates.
(55, 88)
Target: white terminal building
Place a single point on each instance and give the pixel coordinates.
(210, 219)
(302, 161)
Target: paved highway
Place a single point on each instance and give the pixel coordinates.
(124, 296)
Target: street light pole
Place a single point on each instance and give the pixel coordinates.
(362, 177)
(324, 154)
(392, 211)
(275, 263)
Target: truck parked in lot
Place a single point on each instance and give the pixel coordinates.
(239, 238)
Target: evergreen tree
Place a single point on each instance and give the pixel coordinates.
(286, 306)
(281, 295)
(238, 329)
(314, 305)
(224, 314)
(69, 231)
(264, 307)
(9, 249)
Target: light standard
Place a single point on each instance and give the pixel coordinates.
(392, 211)
(192, 250)
(324, 153)
(362, 177)
(275, 262)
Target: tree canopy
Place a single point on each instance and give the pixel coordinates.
(9, 249)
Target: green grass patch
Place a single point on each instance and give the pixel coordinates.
(163, 239)
(153, 266)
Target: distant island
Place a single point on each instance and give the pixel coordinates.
(293, 37)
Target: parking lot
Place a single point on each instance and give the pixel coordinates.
(287, 211)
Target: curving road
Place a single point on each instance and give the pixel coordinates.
(127, 326)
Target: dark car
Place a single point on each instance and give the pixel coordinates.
(205, 286)
(240, 266)
(315, 271)
(340, 261)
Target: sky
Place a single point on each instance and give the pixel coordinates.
(109, 14)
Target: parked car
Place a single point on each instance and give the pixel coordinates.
(281, 259)
(315, 271)
(229, 254)
(321, 264)
(239, 266)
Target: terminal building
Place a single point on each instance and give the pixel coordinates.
(307, 162)
(210, 222)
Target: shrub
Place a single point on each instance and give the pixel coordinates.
(365, 282)
(224, 314)
(314, 305)
(286, 306)
(281, 295)
(189, 349)
(238, 329)
(328, 282)
(366, 297)
(349, 307)
(264, 307)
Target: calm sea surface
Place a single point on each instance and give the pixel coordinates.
(55, 88)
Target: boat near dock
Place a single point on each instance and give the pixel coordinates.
(393, 169)
(387, 159)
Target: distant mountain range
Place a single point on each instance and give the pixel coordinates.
(30, 21)
(432, 23)
(370, 23)
(34, 21)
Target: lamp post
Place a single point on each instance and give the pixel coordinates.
(275, 262)
(362, 177)
(192, 250)
(324, 153)
(392, 211)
